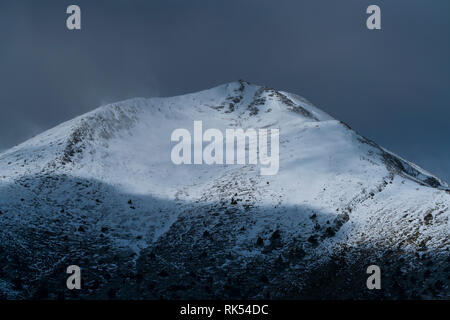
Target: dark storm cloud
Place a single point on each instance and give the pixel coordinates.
(390, 85)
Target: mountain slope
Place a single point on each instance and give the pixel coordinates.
(100, 191)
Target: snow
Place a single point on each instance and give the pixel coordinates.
(93, 165)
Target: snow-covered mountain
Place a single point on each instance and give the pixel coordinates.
(100, 191)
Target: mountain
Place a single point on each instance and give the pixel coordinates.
(101, 192)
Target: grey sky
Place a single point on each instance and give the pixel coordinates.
(392, 86)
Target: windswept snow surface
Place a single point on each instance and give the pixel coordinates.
(100, 191)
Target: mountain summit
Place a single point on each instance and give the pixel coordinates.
(101, 192)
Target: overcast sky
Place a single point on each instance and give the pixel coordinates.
(392, 86)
